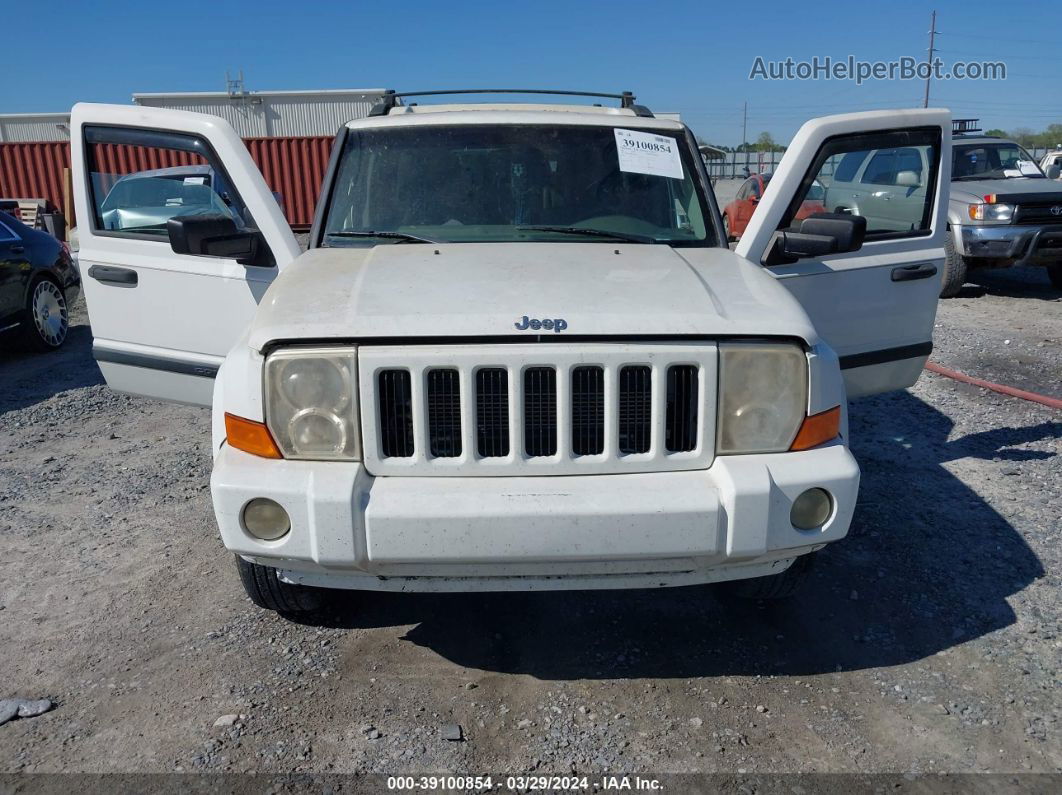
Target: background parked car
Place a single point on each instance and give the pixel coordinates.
(736, 214)
(885, 186)
(1051, 164)
(1002, 211)
(38, 282)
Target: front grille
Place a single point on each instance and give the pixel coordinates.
(444, 413)
(635, 409)
(396, 413)
(540, 411)
(1038, 213)
(537, 409)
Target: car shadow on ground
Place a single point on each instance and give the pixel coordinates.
(1029, 282)
(29, 377)
(928, 565)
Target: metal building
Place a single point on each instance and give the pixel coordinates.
(17, 127)
(273, 114)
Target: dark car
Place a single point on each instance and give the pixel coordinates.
(38, 282)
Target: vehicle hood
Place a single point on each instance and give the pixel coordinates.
(974, 190)
(482, 290)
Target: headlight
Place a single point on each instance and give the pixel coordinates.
(311, 403)
(763, 394)
(991, 212)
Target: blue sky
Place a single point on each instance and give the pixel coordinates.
(691, 57)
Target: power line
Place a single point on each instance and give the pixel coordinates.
(1002, 38)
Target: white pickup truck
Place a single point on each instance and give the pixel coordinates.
(518, 354)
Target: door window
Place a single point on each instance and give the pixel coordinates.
(886, 165)
(847, 166)
(6, 235)
(140, 179)
(899, 159)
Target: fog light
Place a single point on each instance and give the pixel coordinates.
(811, 509)
(265, 519)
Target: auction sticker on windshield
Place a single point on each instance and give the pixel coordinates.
(645, 153)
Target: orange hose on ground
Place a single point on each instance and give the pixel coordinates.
(1054, 403)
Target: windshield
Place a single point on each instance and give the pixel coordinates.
(505, 183)
(992, 161)
(159, 190)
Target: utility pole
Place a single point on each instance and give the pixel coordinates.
(744, 135)
(929, 59)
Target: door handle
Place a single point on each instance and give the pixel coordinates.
(909, 273)
(106, 274)
(17, 249)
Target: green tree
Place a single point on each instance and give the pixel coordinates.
(766, 143)
(1023, 136)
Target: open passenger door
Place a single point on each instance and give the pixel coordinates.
(148, 181)
(875, 306)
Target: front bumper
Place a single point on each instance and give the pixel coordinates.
(353, 530)
(1019, 245)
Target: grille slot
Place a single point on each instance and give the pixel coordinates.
(492, 412)
(444, 413)
(396, 413)
(540, 411)
(680, 422)
(588, 411)
(524, 409)
(635, 409)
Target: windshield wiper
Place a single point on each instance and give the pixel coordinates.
(578, 230)
(402, 236)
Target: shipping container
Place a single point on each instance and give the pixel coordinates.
(293, 167)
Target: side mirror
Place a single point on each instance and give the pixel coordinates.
(908, 179)
(818, 235)
(212, 236)
(1054, 172)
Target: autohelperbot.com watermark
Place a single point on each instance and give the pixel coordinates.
(851, 68)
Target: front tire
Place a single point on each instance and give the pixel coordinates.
(774, 586)
(1054, 273)
(46, 319)
(954, 268)
(267, 591)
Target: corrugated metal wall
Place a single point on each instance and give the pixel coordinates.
(294, 167)
(262, 115)
(34, 127)
(34, 170)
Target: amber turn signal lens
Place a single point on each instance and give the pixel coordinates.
(818, 429)
(250, 436)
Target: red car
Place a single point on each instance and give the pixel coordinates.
(736, 215)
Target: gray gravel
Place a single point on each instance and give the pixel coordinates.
(929, 640)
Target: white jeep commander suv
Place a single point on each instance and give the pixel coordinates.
(518, 353)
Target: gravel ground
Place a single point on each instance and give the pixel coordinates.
(929, 640)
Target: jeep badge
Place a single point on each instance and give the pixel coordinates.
(557, 325)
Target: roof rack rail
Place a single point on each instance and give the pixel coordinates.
(964, 126)
(390, 97)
